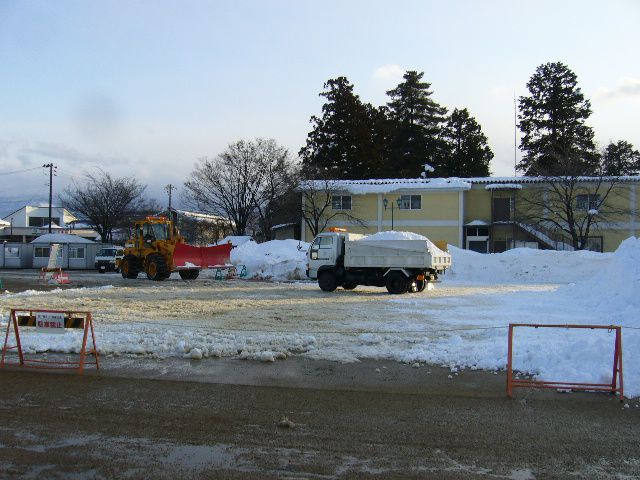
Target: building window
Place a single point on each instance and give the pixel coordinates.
(44, 252)
(341, 202)
(41, 252)
(410, 202)
(42, 221)
(12, 252)
(76, 252)
(477, 231)
(587, 202)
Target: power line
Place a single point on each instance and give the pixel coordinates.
(20, 171)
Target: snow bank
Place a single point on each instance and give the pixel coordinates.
(616, 287)
(524, 265)
(274, 260)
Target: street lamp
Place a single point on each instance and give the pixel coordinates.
(385, 202)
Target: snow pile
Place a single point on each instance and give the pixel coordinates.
(615, 289)
(274, 260)
(235, 240)
(395, 235)
(524, 265)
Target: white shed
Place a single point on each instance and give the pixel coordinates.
(76, 252)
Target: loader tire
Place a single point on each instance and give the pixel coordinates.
(327, 282)
(130, 267)
(189, 274)
(397, 283)
(157, 269)
(349, 286)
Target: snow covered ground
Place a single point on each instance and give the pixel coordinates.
(460, 324)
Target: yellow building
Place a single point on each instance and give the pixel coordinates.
(488, 214)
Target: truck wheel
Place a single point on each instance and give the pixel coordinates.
(129, 267)
(349, 286)
(156, 268)
(397, 283)
(189, 274)
(327, 282)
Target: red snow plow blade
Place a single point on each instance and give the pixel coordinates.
(186, 256)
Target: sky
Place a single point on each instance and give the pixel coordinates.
(146, 88)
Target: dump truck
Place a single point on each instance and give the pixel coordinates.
(157, 249)
(340, 259)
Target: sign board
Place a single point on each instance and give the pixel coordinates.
(50, 322)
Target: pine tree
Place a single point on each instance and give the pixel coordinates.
(344, 143)
(416, 124)
(468, 154)
(552, 119)
(620, 159)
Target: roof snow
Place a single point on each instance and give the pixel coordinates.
(60, 238)
(388, 185)
(503, 186)
(361, 187)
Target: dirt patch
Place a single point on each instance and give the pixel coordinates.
(373, 419)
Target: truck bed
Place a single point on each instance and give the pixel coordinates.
(393, 254)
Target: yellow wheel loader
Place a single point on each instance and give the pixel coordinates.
(157, 249)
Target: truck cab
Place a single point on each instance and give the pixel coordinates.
(107, 259)
(326, 250)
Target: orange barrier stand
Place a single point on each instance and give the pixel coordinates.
(50, 321)
(616, 385)
(57, 276)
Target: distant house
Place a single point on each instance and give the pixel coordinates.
(29, 222)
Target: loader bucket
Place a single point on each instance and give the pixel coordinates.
(186, 256)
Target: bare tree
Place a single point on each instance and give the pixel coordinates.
(571, 204)
(317, 203)
(106, 203)
(279, 181)
(243, 184)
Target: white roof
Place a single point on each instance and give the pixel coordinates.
(2, 222)
(60, 238)
(388, 185)
(476, 223)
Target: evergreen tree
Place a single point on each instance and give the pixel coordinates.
(416, 124)
(344, 143)
(468, 154)
(620, 159)
(552, 119)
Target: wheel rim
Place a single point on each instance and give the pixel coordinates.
(125, 267)
(153, 269)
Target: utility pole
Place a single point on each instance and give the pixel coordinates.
(169, 188)
(50, 166)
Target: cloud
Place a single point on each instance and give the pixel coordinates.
(627, 87)
(389, 73)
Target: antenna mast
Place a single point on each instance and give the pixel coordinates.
(515, 135)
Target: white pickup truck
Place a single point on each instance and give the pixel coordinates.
(341, 259)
